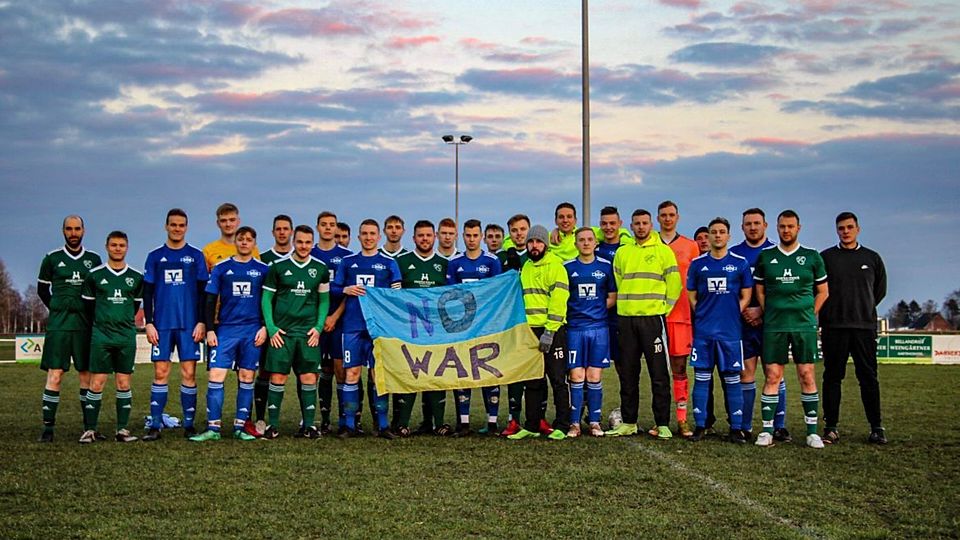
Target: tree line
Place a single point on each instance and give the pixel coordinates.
(907, 314)
(20, 312)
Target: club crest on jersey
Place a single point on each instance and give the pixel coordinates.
(254, 273)
(186, 259)
(335, 260)
(379, 266)
(88, 264)
(801, 260)
(129, 281)
(730, 268)
(483, 269)
(598, 274)
(312, 272)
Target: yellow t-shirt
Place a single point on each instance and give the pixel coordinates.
(219, 250)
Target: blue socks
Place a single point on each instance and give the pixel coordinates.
(462, 397)
(158, 400)
(491, 402)
(702, 381)
(351, 400)
(214, 405)
(244, 402)
(749, 399)
(734, 399)
(594, 401)
(576, 401)
(188, 400)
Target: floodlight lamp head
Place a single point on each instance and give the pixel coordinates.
(465, 139)
(447, 139)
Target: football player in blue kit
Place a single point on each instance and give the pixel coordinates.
(368, 268)
(237, 283)
(593, 290)
(175, 276)
(719, 285)
(472, 265)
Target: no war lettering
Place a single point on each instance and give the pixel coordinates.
(480, 357)
(446, 306)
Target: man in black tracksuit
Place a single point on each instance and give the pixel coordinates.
(848, 322)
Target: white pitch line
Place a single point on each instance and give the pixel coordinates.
(728, 492)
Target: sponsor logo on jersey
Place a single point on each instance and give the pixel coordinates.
(717, 285)
(242, 289)
(75, 278)
(469, 280)
(787, 277)
(300, 289)
(366, 280)
(173, 276)
(117, 297)
(587, 290)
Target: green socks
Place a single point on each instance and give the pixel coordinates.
(811, 402)
(124, 406)
(274, 399)
(438, 404)
(768, 410)
(91, 411)
(308, 404)
(51, 399)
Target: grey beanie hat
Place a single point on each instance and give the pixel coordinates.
(539, 232)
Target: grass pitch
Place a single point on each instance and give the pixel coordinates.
(426, 487)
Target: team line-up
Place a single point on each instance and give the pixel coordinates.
(593, 296)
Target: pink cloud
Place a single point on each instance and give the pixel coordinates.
(689, 4)
(408, 42)
(313, 22)
(774, 142)
(474, 43)
(777, 96)
(720, 136)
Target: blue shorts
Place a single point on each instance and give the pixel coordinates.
(235, 348)
(727, 356)
(588, 347)
(752, 341)
(357, 350)
(331, 343)
(181, 340)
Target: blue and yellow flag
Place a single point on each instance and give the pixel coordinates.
(469, 335)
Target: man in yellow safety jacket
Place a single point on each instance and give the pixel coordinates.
(545, 293)
(648, 286)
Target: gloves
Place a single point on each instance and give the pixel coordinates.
(546, 341)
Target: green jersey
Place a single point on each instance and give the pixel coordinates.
(270, 256)
(297, 287)
(116, 295)
(518, 261)
(420, 273)
(789, 281)
(393, 254)
(64, 274)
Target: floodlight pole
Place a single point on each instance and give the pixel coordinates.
(585, 74)
(456, 142)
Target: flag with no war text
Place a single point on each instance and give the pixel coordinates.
(469, 335)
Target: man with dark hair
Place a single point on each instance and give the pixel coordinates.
(420, 269)
(848, 323)
(546, 290)
(754, 227)
(473, 265)
(720, 285)
(331, 342)
(173, 282)
(791, 284)
(113, 292)
(702, 238)
(343, 234)
(295, 302)
(648, 286)
(493, 238)
(367, 268)
(513, 258)
(282, 236)
(393, 228)
(564, 244)
(59, 284)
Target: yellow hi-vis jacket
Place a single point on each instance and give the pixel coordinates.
(648, 280)
(567, 248)
(546, 290)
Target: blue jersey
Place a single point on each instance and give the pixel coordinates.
(607, 251)
(717, 283)
(370, 271)
(239, 286)
(589, 286)
(174, 274)
(463, 269)
(751, 254)
(332, 258)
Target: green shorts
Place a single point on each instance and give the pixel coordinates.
(803, 345)
(295, 354)
(108, 356)
(60, 346)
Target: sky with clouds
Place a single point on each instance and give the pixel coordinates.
(119, 110)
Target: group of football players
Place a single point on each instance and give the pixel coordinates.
(594, 297)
